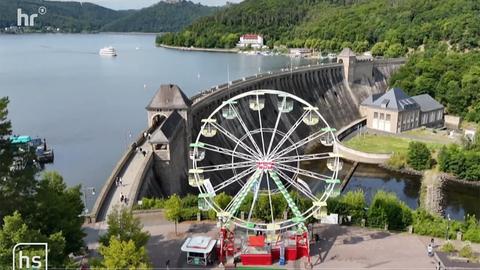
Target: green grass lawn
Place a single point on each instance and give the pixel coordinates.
(383, 144)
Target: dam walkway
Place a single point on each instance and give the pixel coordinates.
(129, 182)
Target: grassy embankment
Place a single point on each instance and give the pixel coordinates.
(374, 143)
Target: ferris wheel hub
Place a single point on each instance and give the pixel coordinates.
(265, 165)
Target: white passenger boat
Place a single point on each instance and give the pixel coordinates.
(108, 51)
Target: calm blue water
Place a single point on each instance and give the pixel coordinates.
(90, 107)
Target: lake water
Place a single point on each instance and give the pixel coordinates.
(90, 107)
(459, 199)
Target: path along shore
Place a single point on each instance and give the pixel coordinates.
(199, 49)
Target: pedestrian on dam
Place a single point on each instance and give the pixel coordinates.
(120, 181)
(144, 153)
(121, 197)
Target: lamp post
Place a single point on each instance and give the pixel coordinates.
(89, 191)
(448, 226)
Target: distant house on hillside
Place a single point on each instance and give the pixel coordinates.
(395, 112)
(253, 40)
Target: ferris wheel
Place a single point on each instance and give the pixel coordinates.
(254, 144)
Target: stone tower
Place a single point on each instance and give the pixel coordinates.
(356, 69)
(169, 98)
(168, 112)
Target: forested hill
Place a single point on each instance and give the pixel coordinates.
(86, 17)
(161, 17)
(384, 25)
(69, 16)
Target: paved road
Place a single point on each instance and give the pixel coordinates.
(341, 247)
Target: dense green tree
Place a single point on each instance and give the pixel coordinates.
(328, 25)
(122, 254)
(419, 156)
(449, 77)
(464, 163)
(15, 230)
(17, 187)
(173, 209)
(350, 204)
(125, 227)
(59, 208)
(44, 207)
(387, 209)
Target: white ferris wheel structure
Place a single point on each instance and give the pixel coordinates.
(264, 160)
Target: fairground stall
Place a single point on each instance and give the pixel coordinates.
(199, 250)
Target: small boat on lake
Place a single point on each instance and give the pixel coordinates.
(108, 51)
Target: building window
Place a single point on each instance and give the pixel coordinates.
(382, 116)
(439, 115)
(375, 115)
(387, 117)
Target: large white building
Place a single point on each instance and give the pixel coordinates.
(395, 112)
(253, 40)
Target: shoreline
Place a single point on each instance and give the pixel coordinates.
(198, 49)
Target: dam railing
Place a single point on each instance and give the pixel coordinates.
(98, 208)
(262, 76)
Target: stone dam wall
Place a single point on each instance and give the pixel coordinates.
(324, 86)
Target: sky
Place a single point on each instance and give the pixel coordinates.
(136, 4)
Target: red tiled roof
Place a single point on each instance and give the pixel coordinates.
(250, 36)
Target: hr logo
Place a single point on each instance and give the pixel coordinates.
(29, 20)
(30, 256)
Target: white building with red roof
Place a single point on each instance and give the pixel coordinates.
(253, 40)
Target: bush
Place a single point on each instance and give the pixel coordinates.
(190, 201)
(351, 204)
(386, 208)
(425, 223)
(472, 229)
(397, 161)
(189, 213)
(448, 247)
(151, 203)
(419, 157)
(466, 252)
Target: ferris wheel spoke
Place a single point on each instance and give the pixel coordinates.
(300, 188)
(236, 202)
(246, 129)
(270, 198)
(285, 138)
(261, 128)
(302, 158)
(227, 166)
(234, 179)
(300, 143)
(225, 151)
(255, 196)
(236, 140)
(317, 176)
(285, 194)
(276, 126)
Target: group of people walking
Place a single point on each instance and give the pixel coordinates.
(119, 183)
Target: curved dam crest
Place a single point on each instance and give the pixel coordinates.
(336, 89)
